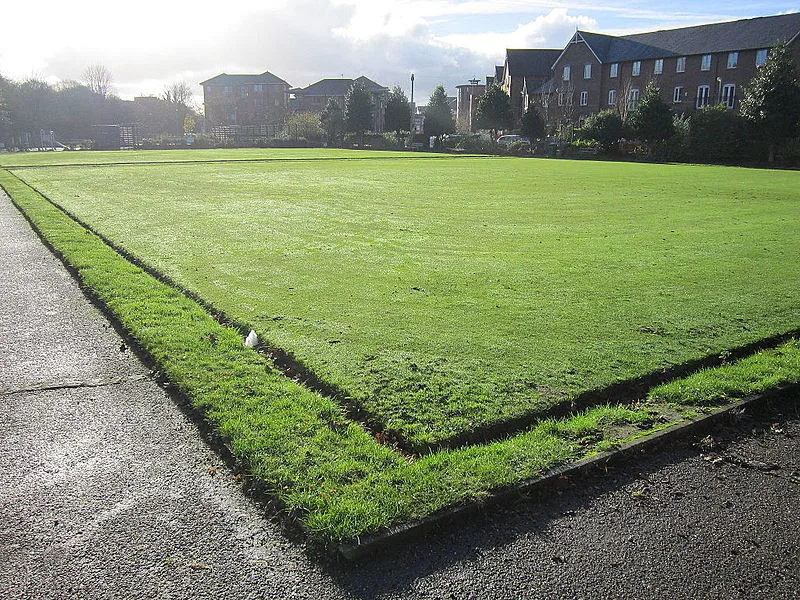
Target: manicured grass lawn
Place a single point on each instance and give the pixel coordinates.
(441, 296)
(331, 475)
(18, 159)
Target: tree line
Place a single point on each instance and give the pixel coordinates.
(73, 109)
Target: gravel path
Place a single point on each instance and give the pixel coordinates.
(107, 490)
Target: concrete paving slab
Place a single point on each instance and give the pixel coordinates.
(48, 334)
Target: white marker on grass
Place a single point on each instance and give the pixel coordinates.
(251, 341)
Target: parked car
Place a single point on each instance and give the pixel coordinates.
(507, 140)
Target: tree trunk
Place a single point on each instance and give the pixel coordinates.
(771, 157)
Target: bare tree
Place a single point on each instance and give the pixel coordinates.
(98, 79)
(179, 97)
(180, 94)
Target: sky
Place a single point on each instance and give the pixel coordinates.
(149, 44)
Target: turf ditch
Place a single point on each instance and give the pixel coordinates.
(327, 472)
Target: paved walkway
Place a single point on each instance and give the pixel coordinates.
(108, 491)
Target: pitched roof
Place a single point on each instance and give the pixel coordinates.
(531, 62)
(337, 87)
(745, 34)
(265, 78)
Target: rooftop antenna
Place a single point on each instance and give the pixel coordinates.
(412, 88)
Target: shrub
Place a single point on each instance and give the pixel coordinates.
(605, 128)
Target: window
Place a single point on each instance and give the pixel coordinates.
(633, 98)
(561, 98)
(658, 68)
(565, 77)
(733, 59)
(614, 69)
(680, 65)
(584, 98)
(637, 68)
(587, 71)
(243, 90)
(705, 62)
(612, 97)
(677, 94)
(227, 89)
(761, 57)
(258, 87)
(729, 95)
(703, 94)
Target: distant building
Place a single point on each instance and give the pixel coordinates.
(314, 98)
(467, 104)
(531, 66)
(693, 67)
(255, 101)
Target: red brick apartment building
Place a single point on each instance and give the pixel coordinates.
(246, 100)
(693, 67)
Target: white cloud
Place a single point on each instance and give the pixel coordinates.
(552, 30)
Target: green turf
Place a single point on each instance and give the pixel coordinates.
(332, 476)
(18, 159)
(443, 296)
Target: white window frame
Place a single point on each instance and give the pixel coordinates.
(733, 60)
(587, 71)
(561, 98)
(761, 57)
(705, 62)
(612, 97)
(703, 96)
(584, 99)
(729, 95)
(680, 64)
(633, 98)
(636, 68)
(566, 73)
(658, 67)
(614, 70)
(677, 94)
(257, 87)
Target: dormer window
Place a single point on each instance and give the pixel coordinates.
(614, 70)
(637, 68)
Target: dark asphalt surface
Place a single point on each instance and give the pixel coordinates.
(107, 490)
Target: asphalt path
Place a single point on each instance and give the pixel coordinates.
(108, 490)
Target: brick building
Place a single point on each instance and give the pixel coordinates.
(255, 101)
(533, 65)
(693, 67)
(467, 98)
(314, 98)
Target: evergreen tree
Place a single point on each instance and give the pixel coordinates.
(651, 120)
(532, 124)
(772, 100)
(357, 109)
(398, 111)
(5, 112)
(438, 116)
(494, 111)
(605, 128)
(332, 120)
